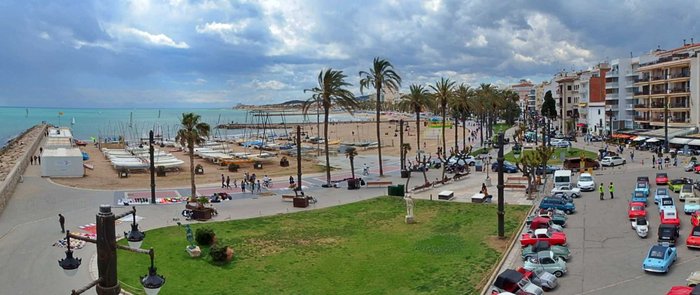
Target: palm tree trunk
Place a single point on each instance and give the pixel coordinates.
(456, 137)
(325, 145)
(352, 166)
(194, 188)
(417, 129)
(379, 136)
(464, 134)
(443, 139)
(481, 128)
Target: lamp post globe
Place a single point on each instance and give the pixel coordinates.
(153, 281)
(135, 236)
(69, 264)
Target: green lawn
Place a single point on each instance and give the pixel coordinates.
(359, 248)
(569, 153)
(501, 127)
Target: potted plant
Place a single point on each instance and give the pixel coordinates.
(199, 211)
(233, 167)
(221, 253)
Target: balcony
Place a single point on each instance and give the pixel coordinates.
(644, 119)
(680, 75)
(641, 93)
(658, 91)
(680, 90)
(610, 85)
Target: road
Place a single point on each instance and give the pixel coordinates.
(606, 253)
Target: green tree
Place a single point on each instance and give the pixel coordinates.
(461, 106)
(193, 132)
(380, 76)
(350, 153)
(549, 111)
(330, 92)
(443, 92)
(416, 101)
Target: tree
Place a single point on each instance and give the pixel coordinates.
(417, 100)
(461, 106)
(330, 92)
(381, 75)
(443, 91)
(350, 153)
(192, 133)
(549, 111)
(529, 161)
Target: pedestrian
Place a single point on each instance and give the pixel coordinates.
(242, 186)
(228, 182)
(41, 150)
(653, 161)
(39, 159)
(659, 163)
(62, 222)
(632, 156)
(35, 159)
(235, 183)
(223, 181)
(31, 161)
(600, 189)
(258, 184)
(611, 189)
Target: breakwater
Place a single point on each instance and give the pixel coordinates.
(14, 159)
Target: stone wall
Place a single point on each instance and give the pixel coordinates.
(7, 187)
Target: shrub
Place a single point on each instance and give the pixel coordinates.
(218, 252)
(233, 167)
(204, 236)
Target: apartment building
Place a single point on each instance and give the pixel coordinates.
(568, 95)
(667, 85)
(523, 90)
(619, 92)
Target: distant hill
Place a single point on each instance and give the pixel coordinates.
(286, 104)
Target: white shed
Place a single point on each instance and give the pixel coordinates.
(57, 142)
(60, 132)
(62, 162)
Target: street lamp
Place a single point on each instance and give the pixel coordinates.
(501, 212)
(107, 283)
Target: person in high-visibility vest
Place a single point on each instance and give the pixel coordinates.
(600, 189)
(611, 189)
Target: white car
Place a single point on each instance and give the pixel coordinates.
(586, 182)
(561, 144)
(612, 161)
(567, 190)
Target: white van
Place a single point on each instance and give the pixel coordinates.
(562, 178)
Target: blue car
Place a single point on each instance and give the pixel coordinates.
(638, 196)
(642, 187)
(659, 258)
(661, 192)
(557, 203)
(508, 167)
(667, 204)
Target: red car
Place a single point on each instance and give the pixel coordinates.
(695, 218)
(547, 235)
(683, 290)
(661, 178)
(696, 168)
(636, 209)
(693, 240)
(670, 217)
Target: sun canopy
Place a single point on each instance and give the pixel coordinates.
(652, 140)
(695, 142)
(623, 136)
(681, 141)
(640, 138)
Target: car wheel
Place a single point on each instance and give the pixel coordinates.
(558, 274)
(691, 285)
(624, 162)
(568, 212)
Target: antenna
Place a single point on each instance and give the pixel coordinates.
(630, 54)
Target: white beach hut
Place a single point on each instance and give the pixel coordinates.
(62, 162)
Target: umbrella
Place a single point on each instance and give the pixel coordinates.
(653, 140)
(640, 138)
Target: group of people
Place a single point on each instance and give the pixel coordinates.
(249, 182)
(611, 190)
(36, 159)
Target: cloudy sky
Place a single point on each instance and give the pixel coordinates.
(212, 53)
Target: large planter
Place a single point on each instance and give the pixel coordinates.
(201, 214)
(301, 202)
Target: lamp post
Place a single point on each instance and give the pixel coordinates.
(152, 167)
(107, 283)
(501, 213)
(666, 123)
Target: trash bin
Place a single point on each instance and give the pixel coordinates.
(391, 190)
(354, 183)
(405, 173)
(400, 190)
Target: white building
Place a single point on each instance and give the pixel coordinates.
(62, 162)
(619, 91)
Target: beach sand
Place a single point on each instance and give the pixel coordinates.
(104, 176)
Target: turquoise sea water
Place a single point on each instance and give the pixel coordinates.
(131, 123)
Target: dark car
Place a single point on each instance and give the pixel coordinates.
(508, 167)
(668, 233)
(549, 169)
(557, 203)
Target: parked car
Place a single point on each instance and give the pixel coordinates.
(661, 178)
(643, 179)
(667, 204)
(693, 279)
(612, 161)
(639, 197)
(636, 209)
(545, 280)
(670, 217)
(686, 192)
(693, 240)
(562, 144)
(659, 259)
(543, 222)
(545, 260)
(558, 218)
(683, 290)
(549, 169)
(696, 168)
(641, 226)
(586, 182)
(676, 184)
(661, 192)
(690, 167)
(557, 203)
(515, 283)
(559, 251)
(552, 237)
(668, 234)
(508, 167)
(691, 205)
(567, 190)
(695, 218)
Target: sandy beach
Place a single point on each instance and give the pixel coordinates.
(104, 176)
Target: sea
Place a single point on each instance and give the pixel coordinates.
(86, 123)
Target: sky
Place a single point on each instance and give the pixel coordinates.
(211, 53)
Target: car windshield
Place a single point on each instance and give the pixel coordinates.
(641, 221)
(641, 185)
(638, 194)
(661, 191)
(687, 189)
(696, 232)
(667, 202)
(657, 253)
(585, 178)
(661, 175)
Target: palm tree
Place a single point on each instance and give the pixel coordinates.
(350, 153)
(193, 133)
(381, 75)
(330, 92)
(443, 91)
(461, 107)
(416, 101)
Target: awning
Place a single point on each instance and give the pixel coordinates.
(695, 142)
(652, 140)
(623, 136)
(580, 125)
(681, 141)
(640, 138)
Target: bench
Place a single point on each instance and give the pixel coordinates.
(446, 195)
(387, 183)
(514, 186)
(518, 180)
(288, 198)
(481, 198)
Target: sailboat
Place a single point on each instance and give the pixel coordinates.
(27, 115)
(72, 122)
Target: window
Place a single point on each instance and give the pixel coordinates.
(599, 112)
(568, 87)
(568, 99)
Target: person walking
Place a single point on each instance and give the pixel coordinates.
(242, 186)
(228, 182)
(39, 159)
(611, 189)
(62, 222)
(31, 161)
(600, 189)
(632, 155)
(258, 185)
(223, 181)
(653, 161)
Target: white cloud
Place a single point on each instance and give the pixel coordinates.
(226, 31)
(45, 36)
(478, 41)
(269, 85)
(79, 44)
(133, 34)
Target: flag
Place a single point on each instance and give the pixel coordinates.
(60, 113)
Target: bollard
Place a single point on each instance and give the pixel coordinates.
(431, 197)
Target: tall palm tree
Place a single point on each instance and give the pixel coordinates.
(193, 132)
(443, 91)
(350, 153)
(330, 92)
(417, 100)
(462, 108)
(381, 75)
